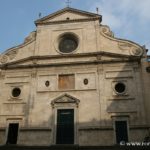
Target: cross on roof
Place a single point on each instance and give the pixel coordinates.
(68, 2)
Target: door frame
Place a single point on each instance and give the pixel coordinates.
(13, 120)
(55, 112)
(73, 122)
(8, 132)
(65, 101)
(123, 118)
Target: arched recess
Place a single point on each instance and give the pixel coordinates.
(65, 102)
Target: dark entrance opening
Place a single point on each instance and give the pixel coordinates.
(121, 131)
(12, 133)
(65, 126)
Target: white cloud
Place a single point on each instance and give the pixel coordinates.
(128, 18)
(112, 20)
(142, 8)
(122, 9)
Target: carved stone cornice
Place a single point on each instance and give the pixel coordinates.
(67, 21)
(95, 54)
(61, 64)
(98, 55)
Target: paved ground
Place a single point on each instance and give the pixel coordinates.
(67, 147)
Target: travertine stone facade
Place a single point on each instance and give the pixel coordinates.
(94, 68)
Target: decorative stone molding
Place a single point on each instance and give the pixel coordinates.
(4, 59)
(136, 51)
(105, 30)
(133, 48)
(31, 37)
(65, 98)
(124, 46)
(34, 61)
(8, 56)
(99, 57)
(12, 54)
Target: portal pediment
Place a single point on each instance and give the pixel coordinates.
(65, 98)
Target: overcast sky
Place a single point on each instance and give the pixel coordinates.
(129, 19)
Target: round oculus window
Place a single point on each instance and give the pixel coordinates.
(16, 92)
(85, 81)
(47, 83)
(120, 88)
(68, 43)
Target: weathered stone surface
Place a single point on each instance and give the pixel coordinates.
(100, 59)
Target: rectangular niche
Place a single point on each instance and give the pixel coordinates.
(66, 81)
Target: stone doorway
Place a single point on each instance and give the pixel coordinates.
(12, 133)
(65, 119)
(65, 126)
(121, 130)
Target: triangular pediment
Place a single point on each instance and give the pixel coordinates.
(67, 14)
(65, 98)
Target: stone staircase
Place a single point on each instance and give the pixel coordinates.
(73, 147)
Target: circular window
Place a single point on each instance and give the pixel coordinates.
(68, 43)
(85, 81)
(16, 92)
(120, 88)
(47, 83)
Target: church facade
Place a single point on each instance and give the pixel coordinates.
(73, 82)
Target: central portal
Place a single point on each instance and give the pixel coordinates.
(65, 126)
